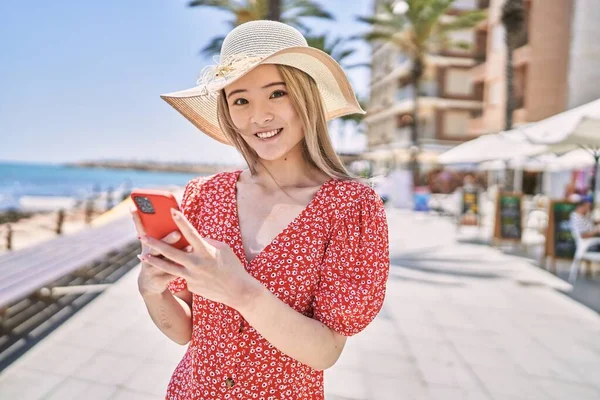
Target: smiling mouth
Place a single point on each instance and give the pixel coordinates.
(268, 134)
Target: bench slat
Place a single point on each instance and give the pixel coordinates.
(29, 269)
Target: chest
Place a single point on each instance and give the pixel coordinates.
(263, 218)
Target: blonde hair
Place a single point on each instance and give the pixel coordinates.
(306, 99)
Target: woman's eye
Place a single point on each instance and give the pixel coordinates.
(240, 102)
(278, 93)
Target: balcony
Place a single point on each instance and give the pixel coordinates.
(403, 135)
(402, 58)
(465, 5)
(404, 93)
(519, 102)
(522, 55)
(476, 126)
(429, 89)
(478, 72)
(520, 116)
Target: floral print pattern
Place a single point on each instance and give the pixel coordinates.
(331, 263)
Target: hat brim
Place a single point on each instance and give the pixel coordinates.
(336, 92)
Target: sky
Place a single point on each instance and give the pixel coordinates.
(80, 80)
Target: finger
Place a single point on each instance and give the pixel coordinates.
(166, 250)
(166, 266)
(171, 238)
(189, 232)
(188, 249)
(156, 272)
(137, 221)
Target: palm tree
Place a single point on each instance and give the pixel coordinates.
(417, 28)
(292, 13)
(513, 19)
(274, 10)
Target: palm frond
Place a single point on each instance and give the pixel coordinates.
(358, 65)
(305, 8)
(226, 5)
(213, 47)
(340, 56)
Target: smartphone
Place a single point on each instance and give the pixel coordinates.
(154, 209)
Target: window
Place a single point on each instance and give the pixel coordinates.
(465, 4)
(462, 38)
(456, 123)
(459, 82)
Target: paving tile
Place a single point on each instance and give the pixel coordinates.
(501, 384)
(126, 394)
(548, 366)
(422, 331)
(487, 357)
(385, 344)
(431, 351)
(60, 358)
(350, 358)
(110, 369)
(25, 384)
(390, 388)
(588, 371)
(455, 375)
(560, 390)
(438, 392)
(346, 383)
(75, 389)
(90, 335)
(389, 365)
(152, 378)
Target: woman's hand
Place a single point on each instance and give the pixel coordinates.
(210, 268)
(152, 280)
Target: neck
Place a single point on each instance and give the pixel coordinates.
(292, 170)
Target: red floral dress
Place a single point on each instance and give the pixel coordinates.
(331, 263)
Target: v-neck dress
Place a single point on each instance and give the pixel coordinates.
(331, 263)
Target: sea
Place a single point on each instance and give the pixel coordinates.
(23, 184)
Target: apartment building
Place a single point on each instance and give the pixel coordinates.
(556, 66)
(447, 97)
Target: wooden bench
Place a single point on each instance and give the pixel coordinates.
(25, 271)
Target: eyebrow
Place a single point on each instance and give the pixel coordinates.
(264, 87)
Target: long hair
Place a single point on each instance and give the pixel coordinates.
(306, 100)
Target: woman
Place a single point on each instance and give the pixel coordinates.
(287, 258)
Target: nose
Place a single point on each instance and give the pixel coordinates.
(261, 113)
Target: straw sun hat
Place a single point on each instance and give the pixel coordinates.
(248, 46)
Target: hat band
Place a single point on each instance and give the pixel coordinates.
(214, 77)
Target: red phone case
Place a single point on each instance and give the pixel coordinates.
(160, 223)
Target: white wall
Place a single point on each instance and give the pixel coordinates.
(584, 57)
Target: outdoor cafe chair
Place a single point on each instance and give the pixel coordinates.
(582, 253)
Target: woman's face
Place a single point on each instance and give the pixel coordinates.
(263, 114)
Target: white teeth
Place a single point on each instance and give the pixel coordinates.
(265, 135)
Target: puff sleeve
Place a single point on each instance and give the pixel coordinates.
(355, 267)
(189, 207)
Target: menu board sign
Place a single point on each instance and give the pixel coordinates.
(561, 240)
(508, 216)
(470, 201)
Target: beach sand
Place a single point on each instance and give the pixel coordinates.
(42, 225)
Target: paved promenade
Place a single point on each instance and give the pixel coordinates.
(461, 321)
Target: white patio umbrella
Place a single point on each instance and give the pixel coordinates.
(576, 128)
(497, 146)
(574, 159)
